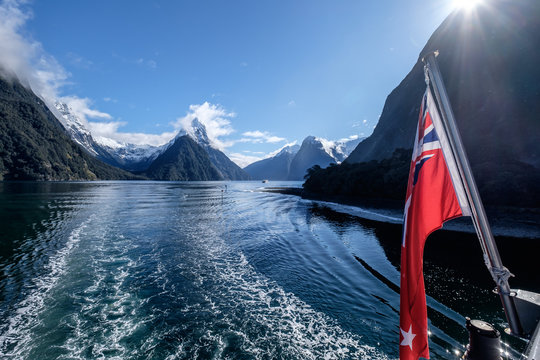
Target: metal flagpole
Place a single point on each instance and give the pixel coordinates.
(491, 254)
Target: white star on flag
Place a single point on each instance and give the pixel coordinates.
(407, 337)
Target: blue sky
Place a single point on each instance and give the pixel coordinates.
(260, 73)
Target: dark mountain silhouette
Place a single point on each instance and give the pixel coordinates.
(489, 62)
(184, 160)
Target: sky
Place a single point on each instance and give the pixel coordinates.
(259, 74)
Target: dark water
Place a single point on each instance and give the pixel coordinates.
(143, 270)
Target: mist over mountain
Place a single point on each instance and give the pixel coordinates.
(35, 146)
(494, 89)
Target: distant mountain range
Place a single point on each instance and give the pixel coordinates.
(292, 162)
(489, 62)
(208, 163)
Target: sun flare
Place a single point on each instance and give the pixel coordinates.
(467, 5)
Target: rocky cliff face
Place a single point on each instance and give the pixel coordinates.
(489, 63)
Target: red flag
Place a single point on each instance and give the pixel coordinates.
(434, 194)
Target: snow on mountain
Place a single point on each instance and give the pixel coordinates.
(129, 152)
(75, 128)
(196, 131)
(290, 149)
(338, 149)
(227, 168)
(292, 162)
(127, 156)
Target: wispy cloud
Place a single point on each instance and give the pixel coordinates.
(24, 58)
(110, 130)
(152, 64)
(140, 61)
(81, 107)
(79, 61)
(258, 136)
(350, 138)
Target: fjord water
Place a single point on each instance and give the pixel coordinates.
(166, 270)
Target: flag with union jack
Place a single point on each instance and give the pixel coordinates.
(435, 194)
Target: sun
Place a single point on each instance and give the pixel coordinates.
(467, 5)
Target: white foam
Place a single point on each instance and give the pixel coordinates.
(17, 334)
(269, 321)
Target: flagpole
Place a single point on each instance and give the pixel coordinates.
(491, 254)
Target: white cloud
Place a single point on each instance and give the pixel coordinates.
(110, 129)
(79, 61)
(214, 117)
(350, 138)
(364, 121)
(257, 137)
(292, 103)
(243, 160)
(152, 64)
(81, 108)
(24, 58)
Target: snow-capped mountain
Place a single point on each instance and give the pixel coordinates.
(127, 156)
(274, 168)
(228, 169)
(75, 128)
(292, 162)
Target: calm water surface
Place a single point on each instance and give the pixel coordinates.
(159, 270)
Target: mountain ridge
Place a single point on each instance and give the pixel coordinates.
(495, 94)
(35, 146)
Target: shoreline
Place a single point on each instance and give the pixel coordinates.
(504, 221)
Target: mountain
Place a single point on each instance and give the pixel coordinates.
(227, 169)
(127, 156)
(141, 158)
(489, 62)
(131, 157)
(274, 168)
(183, 160)
(319, 151)
(35, 146)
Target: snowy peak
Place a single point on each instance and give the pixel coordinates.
(75, 127)
(124, 155)
(197, 131)
(337, 150)
(290, 150)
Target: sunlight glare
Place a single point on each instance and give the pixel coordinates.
(467, 5)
